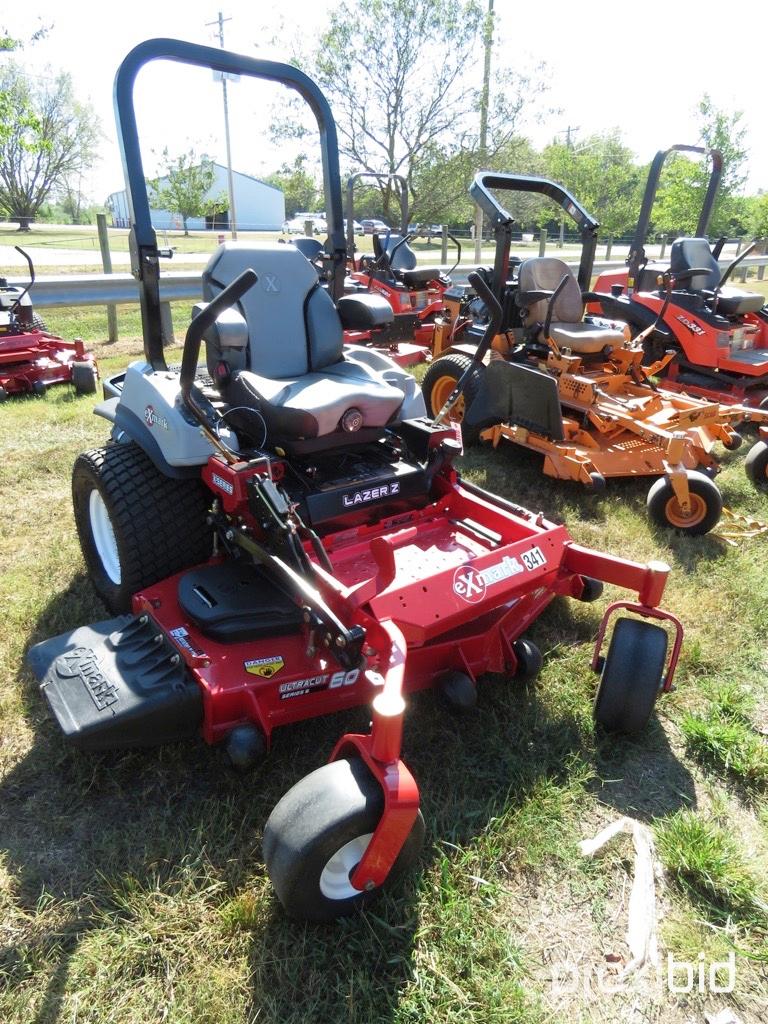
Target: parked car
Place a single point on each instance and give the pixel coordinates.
(357, 227)
(374, 227)
(424, 230)
(295, 224)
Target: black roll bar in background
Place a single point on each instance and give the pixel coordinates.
(143, 241)
(637, 256)
(502, 220)
(351, 204)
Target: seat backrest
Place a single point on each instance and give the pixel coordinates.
(687, 253)
(293, 325)
(404, 258)
(544, 273)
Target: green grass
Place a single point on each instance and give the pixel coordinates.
(132, 887)
(724, 737)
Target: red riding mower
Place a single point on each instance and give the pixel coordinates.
(30, 357)
(416, 293)
(289, 537)
(575, 390)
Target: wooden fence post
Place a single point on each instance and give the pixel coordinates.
(106, 262)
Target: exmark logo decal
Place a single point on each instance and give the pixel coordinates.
(83, 663)
(222, 484)
(151, 418)
(692, 327)
(371, 494)
(471, 584)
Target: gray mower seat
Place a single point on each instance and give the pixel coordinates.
(404, 263)
(567, 329)
(283, 356)
(692, 253)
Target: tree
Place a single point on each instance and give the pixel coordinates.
(185, 186)
(50, 140)
(601, 174)
(403, 81)
(298, 186)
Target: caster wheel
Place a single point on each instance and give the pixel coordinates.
(756, 464)
(734, 442)
(592, 589)
(529, 660)
(316, 836)
(39, 389)
(597, 485)
(245, 747)
(3, 395)
(456, 692)
(84, 378)
(705, 506)
(632, 676)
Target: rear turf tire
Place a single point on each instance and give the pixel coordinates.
(632, 677)
(136, 526)
(316, 836)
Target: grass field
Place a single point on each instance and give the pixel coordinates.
(132, 888)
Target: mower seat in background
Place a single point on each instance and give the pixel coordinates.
(690, 253)
(404, 264)
(287, 362)
(567, 328)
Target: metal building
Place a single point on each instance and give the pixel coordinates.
(260, 207)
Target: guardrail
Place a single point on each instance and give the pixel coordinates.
(120, 289)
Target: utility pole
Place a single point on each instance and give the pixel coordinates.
(569, 145)
(484, 100)
(231, 186)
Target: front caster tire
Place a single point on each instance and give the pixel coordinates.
(439, 381)
(529, 660)
(456, 692)
(136, 526)
(734, 442)
(632, 677)
(316, 836)
(756, 464)
(84, 378)
(706, 505)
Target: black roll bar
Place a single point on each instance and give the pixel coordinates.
(637, 257)
(143, 242)
(502, 220)
(351, 182)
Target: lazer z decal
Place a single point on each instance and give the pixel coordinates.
(264, 667)
(371, 494)
(470, 584)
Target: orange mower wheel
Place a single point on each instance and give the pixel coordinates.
(704, 508)
(756, 464)
(439, 381)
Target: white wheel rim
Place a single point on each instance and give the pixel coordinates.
(104, 537)
(334, 880)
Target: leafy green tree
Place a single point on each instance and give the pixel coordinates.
(50, 138)
(298, 186)
(757, 215)
(600, 172)
(403, 79)
(185, 186)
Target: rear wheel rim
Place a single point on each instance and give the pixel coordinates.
(441, 392)
(104, 538)
(335, 881)
(677, 517)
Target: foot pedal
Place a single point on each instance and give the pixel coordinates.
(116, 684)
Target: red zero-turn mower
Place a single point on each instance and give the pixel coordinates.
(719, 333)
(30, 357)
(292, 539)
(415, 293)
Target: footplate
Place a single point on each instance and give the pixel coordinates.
(117, 683)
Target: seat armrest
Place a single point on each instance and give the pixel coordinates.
(528, 298)
(364, 312)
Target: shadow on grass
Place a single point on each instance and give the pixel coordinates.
(86, 829)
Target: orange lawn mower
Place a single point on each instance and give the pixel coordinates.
(576, 390)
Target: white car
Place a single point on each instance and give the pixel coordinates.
(295, 224)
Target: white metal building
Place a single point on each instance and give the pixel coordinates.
(259, 207)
